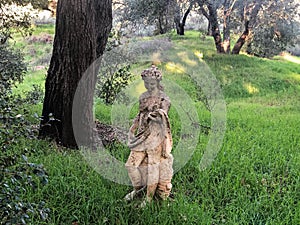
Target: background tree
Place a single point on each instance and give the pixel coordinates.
(263, 22)
(82, 29)
(182, 10)
(271, 32)
(150, 12)
(248, 13)
(209, 9)
(15, 17)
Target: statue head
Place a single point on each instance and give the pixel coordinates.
(152, 73)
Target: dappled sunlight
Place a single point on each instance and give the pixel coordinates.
(227, 67)
(185, 58)
(156, 58)
(295, 76)
(250, 88)
(291, 58)
(140, 88)
(172, 67)
(199, 55)
(225, 80)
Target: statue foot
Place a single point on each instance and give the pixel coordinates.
(130, 196)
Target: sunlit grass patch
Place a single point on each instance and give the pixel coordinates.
(173, 67)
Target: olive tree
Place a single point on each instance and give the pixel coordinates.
(260, 23)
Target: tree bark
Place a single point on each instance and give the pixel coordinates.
(81, 34)
(241, 41)
(226, 27)
(213, 19)
(226, 35)
(180, 28)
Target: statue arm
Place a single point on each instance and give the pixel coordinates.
(135, 124)
(165, 103)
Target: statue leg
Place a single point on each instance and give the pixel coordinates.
(153, 171)
(165, 177)
(132, 165)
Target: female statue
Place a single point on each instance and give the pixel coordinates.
(150, 141)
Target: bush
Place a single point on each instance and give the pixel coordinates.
(15, 18)
(269, 41)
(14, 179)
(12, 68)
(111, 82)
(34, 96)
(16, 173)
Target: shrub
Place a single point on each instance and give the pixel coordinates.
(14, 179)
(112, 81)
(16, 173)
(12, 68)
(269, 41)
(15, 18)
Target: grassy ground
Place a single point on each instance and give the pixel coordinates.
(254, 179)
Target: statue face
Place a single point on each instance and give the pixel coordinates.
(151, 84)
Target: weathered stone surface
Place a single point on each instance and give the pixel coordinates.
(150, 161)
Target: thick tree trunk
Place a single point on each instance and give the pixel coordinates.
(81, 33)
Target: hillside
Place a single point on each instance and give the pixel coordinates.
(254, 178)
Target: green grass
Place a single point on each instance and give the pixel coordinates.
(37, 55)
(255, 178)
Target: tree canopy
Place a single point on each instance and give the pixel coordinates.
(266, 25)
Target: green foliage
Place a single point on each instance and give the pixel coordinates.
(12, 114)
(114, 39)
(14, 179)
(35, 95)
(15, 19)
(16, 175)
(269, 41)
(111, 83)
(275, 28)
(12, 68)
(16, 172)
(149, 12)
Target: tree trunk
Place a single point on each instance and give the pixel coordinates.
(177, 21)
(226, 35)
(180, 24)
(81, 34)
(226, 27)
(241, 41)
(213, 19)
(209, 29)
(179, 28)
(206, 15)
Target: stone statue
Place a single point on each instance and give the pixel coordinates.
(150, 141)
